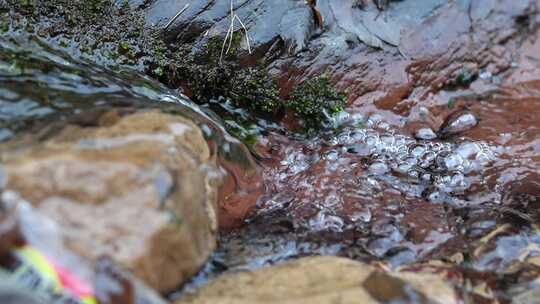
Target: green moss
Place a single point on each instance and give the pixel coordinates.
(94, 8)
(451, 103)
(125, 49)
(125, 4)
(246, 132)
(5, 26)
(463, 78)
(208, 77)
(218, 50)
(70, 20)
(27, 4)
(159, 72)
(253, 88)
(315, 100)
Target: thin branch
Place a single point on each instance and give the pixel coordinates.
(230, 34)
(176, 16)
(245, 32)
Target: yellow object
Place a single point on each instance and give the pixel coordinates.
(41, 264)
(34, 260)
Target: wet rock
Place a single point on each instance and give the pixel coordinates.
(286, 26)
(287, 23)
(324, 280)
(114, 285)
(78, 92)
(458, 123)
(139, 187)
(425, 134)
(528, 62)
(437, 40)
(392, 60)
(40, 265)
(505, 141)
(378, 168)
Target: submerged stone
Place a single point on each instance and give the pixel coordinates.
(458, 123)
(425, 134)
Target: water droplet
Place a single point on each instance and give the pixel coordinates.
(378, 168)
(332, 155)
(413, 174)
(457, 180)
(468, 149)
(436, 197)
(417, 150)
(372, 140)
(373, 120)
(363, 216)
(459, 123)
(426, 177)
(425, 134)
(453, 162)
(359, 149)
(323, 221)
(485, 75)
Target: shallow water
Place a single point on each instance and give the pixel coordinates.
(371, 188)
(368, 190)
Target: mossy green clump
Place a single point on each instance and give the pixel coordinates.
(212, 74)
(463, 78)
(4, 25)
(218, 50)
(247, 132)
(96, 6)
(26, 4)
(123, 46)
(254, 89)
(315, 100)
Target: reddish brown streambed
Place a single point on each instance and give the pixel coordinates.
(438, 157)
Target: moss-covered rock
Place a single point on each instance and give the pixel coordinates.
(114, 35)
(315, 101)
(209, 74)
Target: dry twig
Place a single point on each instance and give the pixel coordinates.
(176, 16)
(230, 34)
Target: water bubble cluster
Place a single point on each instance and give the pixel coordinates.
(345, 175)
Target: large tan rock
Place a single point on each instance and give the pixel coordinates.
(140, 188)
(323, 280)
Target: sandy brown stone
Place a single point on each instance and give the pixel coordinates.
(323, 280)
(141, 190)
